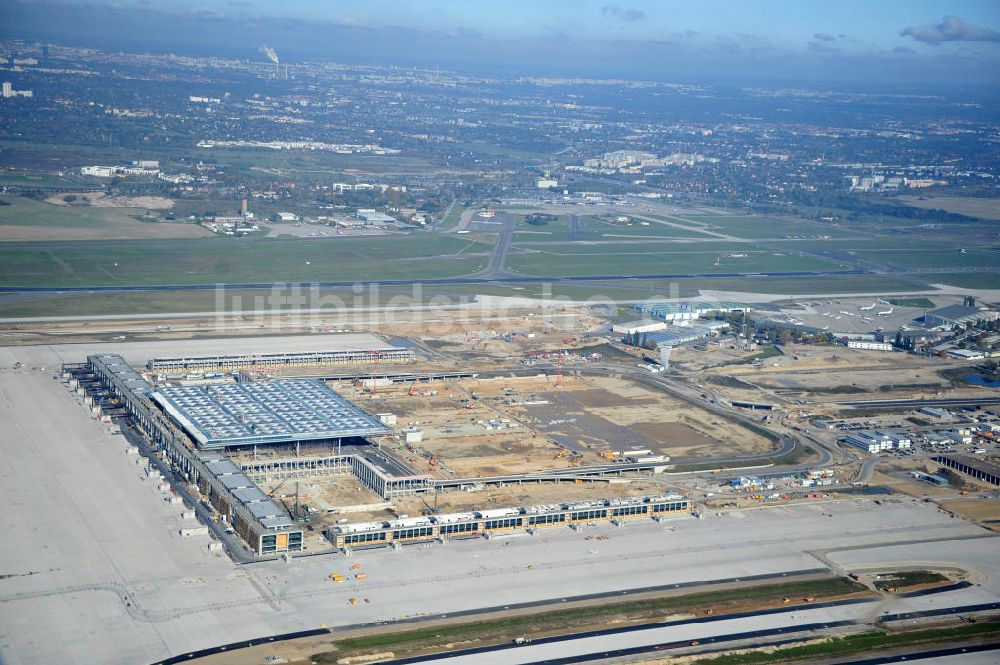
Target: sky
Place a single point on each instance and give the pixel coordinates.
(873, 41)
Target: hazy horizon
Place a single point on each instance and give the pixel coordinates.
(916, 45)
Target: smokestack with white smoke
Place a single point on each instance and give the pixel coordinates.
(271, 54)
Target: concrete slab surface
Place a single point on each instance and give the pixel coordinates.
(93, 570)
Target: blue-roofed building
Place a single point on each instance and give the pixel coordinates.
(243, 414)
(686, 311)
(677, 335)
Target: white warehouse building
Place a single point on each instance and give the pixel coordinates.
(868, 346)
(638, 326)
(874, 442)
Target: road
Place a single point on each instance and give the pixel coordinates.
(974, 654)
(867, 467)
(577, 231)
(498, 257)
(921, 403)
(513, 279)
(750, 627)
(680, 392)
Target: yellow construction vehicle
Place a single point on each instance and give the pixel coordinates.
(337, 577)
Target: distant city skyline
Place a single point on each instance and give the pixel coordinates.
(849, 41)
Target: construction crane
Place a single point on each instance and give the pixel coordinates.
(559, 364)
(413, 387)
(277, 487)
(300, 511)
(375, 355)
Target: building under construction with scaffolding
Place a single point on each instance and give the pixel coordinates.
(211, 431)
(276, 361)
(194, 425)
(496, 521)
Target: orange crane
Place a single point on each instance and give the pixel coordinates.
(559, 364)
(413, 387)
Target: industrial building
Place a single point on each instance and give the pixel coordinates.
(689, 310)
(638, 326)
(977, 467)
(373, 217)
(873, 442)
(223, 363)
(243, 414)
(501, 520)
(192, 426)
(681, 334)
(264, 526)
(958, 315)
(864, 345)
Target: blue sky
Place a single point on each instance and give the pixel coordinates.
(872, 40)
(871, 23)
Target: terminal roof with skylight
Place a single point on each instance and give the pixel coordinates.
(242, 414)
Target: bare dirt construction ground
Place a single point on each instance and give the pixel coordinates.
(325, 500)
(980, 504)
(614, 414)
(973, 206)
(101, 201)
(468, 429)
(509, 425)
(835, 374)
(984, 511)
(91, 217)
(340, 493)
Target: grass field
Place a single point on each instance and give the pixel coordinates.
(933, 258)
(28, 219)
(574, 619)
(21, 179)
(873, 244)
(984, 208)
(654, 229)
(864, 645)
(968, 280)
(753, 226)
(816, 284)
(165, 302)
(651, 259)
(154, 302)
(220, 260)
(453, 218)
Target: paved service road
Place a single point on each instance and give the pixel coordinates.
(675, 635)
(498, 257)
(518, 279)
(921, 403)
(99, 566)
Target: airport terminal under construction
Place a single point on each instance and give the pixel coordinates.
(213, 504)
(231, 437)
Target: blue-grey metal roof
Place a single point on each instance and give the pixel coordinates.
(250, 495)
(678, 335)
(240, 414)
(236, 481)
(222, 467)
